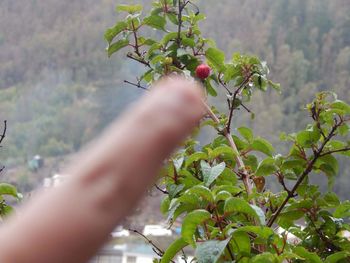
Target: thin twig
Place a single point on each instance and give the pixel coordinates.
(137, 51)
(224, 85)
(179, 17)
(237, 92)
(140, 60)
(246, 108)
(184, 256)
(137, 85)
(156, 249)
(2, 136)
(335, 151)
(160, 189)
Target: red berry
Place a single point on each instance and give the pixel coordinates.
(203, 71)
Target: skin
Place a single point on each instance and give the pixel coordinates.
(107, 179)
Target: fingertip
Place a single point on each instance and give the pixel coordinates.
(191, 90)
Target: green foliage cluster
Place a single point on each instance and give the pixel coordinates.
(59, 126)
(218, 190)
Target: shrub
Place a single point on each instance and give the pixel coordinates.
(218, 190)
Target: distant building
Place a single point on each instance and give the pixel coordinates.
(36, 163)
(127, 253)
(54, 181)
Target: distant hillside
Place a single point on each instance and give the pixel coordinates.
(59, 89)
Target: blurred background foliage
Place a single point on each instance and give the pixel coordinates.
(58, 90)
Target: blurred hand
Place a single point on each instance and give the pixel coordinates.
(70, 223)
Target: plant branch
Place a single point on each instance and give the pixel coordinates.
(246, 177)
(246, 108)
(336, 151)
(140, 60)
(224, 85)
(160, 189)
(137, 51)
(324, 238)
(237, 92)
(301, 178)
(222, 231)
(2, 136)
(179, 17)
(184, 256)
(156, 249)
(137, 85)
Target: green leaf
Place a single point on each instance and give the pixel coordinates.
(289, 255)
(191, 222)
(173, 249)
(341, 105)
(246, 133)
(335, 145)
(308, 138)
(260, 214)
(210, 251)
(261, 231)
(131, 9)
(266, 167)
(202, 191)
(306, 255)
(173, 18)
(8, 189)
(263, 146)
(265, 257)
(6, 210)
(344, 129)
(234, 190)
(276, 86)
(178, 163)
(174, 189)
(146, 41)
(216, 57)
(168, 37)
(260, 82)
(251, 161)
(222, 150)
(164, 205)
(188, 42)
(331, 199)
(188, 198)
(155, 21)
(210, 89)
(328, 164)
(342, 210)
(292, 163)
(117, 46)
(112, 32)
(222, 196)
(337, 257)
(238, 205)
(195, 157)
(241, 243)
(232, 72)
(211, 173)
(291, 215)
